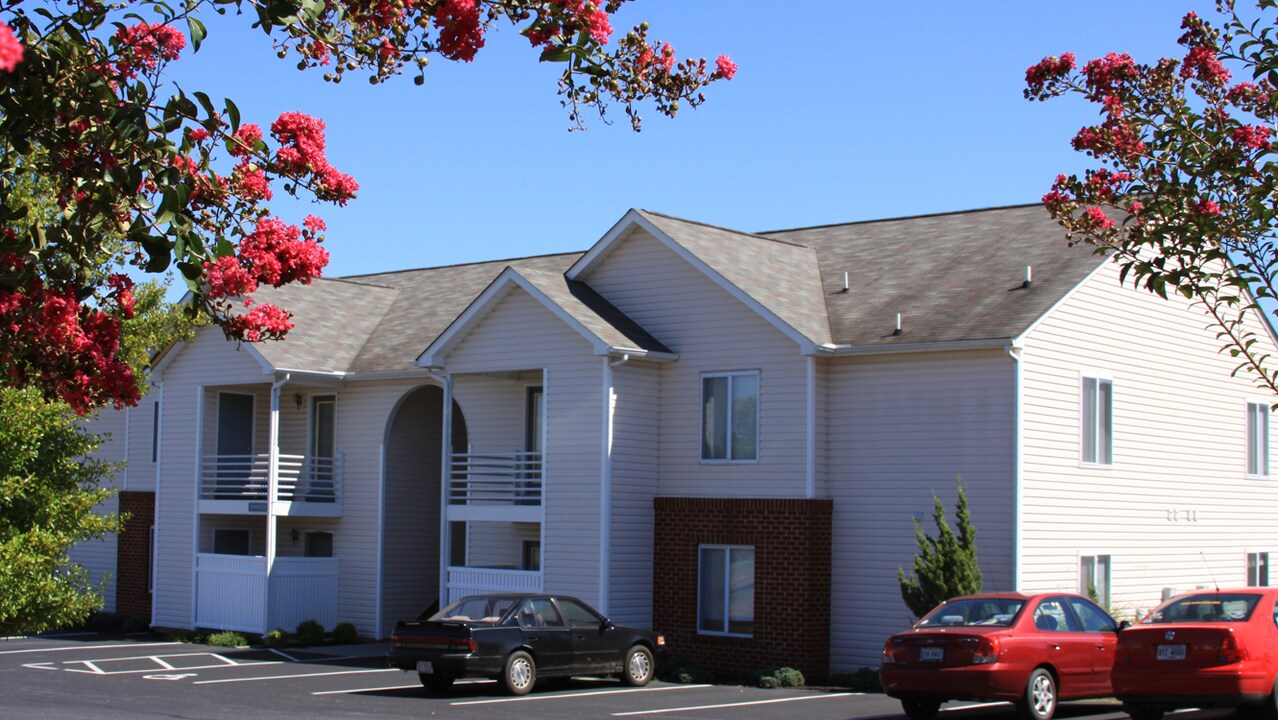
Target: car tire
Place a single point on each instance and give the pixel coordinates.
(920, 708)
(1136, 712)
(1039, 700)
(436, 682)
(639, 667)
(519, 674)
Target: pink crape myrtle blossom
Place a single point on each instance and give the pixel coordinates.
(10, 49)
(725, 68)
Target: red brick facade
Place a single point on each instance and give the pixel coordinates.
(133, 556)
(791, 541)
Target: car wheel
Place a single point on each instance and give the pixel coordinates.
(639, 667)
(436, 682)
(1136, 712)
(920, 708)
(1039, 701)
(520, 674)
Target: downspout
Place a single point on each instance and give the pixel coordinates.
(196, 520)
(810, 470)
(1014, 352)
(445, 549)
(153, 579)
(272, 492)
(605, 482)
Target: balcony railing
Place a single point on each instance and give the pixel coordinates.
(246, 477)
(495, 479)
(463, 581)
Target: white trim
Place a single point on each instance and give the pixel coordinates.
(1020, 339)
(445, 520)
(1096, 462)
(158, 387)
(379, 585)
(1251, 444)
(1018, 464)
(635, 218)
(195, 501)
(1247, 570)
(911, 348)
(609, 395)
(810, 462)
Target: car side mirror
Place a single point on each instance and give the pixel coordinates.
(606, 625)
(1123, 625)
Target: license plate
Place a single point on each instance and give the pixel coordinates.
(1171, 652)
(423, 666)
(931, 654)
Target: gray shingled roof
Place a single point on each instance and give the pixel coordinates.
(590, 309)
(781, 275)
(953, 277)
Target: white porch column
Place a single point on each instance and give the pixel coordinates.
(445, 531)
(272, 489)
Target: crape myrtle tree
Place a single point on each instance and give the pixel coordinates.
(181, 180)
(945, 565)
(1185, 188)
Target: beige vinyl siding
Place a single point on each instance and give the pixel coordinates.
(498, 406)
(207, 359)
(1176, 508)
(635, 446)
(499, 544)
(712, 332)
(520, 334)
(99, 556)
(901, 428)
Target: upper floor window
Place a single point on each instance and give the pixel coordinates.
(1257, 439)
(1097, 421)
(1257, 569)
(730, 416)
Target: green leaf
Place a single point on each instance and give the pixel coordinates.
(198, 32)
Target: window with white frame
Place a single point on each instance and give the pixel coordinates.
(1097, 421)
(1257, 569)
(1093, 578)
(730, 416)
(1257, 439)
(725, 597)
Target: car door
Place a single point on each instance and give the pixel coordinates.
(545, 632)
(1102, 634)
(592, 643)
(1064, 646)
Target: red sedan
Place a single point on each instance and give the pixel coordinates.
(1216, 648)
(1031, 650)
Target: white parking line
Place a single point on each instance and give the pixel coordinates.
(84, 647)
(732, 705)
(586, 693)
(290, 677)
(369, 689)
(165, 664)
(974, 706)
(92, 668)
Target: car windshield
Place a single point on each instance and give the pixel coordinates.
(995, 611)
(487, 609)
(1205, 607)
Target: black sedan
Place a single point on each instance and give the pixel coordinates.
(517, 638)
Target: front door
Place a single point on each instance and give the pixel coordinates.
(234, 441)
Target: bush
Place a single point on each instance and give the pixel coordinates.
(684, 671)
(779, 677)
(309, 632)
(864, 680)
(193, 637)
(227, 639)
(345, 633)
(276, 638)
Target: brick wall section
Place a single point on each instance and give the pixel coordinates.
(133, 555)
(791, 540)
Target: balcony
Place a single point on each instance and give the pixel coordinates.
(231, 592)
(495, 486)
(239, 484)
(463, 581)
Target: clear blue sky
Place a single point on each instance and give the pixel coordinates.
(841, 111)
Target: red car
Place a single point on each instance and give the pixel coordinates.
(1031, 650)
(1215, 648)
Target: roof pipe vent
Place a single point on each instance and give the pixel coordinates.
(845, 283)
(1029, 277)
(897, 331)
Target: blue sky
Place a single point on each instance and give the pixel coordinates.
(841, 111)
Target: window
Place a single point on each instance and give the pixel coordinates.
(231, 541)
(1093, 577)
(730, 416)
(1257, 439)
(1093, 618)
(726, 597)
(532, 555)
(1257, 569)
(1098, 421)
(155, 430)
(577, 614)
(1051, 616)
(319, 544)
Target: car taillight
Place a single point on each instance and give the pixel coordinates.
(889, 655)
(469, 645)
(986, 651)
(661, 641)
(1231, 651)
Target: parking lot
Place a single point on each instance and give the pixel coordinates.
(90, 676)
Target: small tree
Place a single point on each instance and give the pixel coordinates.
(946, 565)
(48, 492)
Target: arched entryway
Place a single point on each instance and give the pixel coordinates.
(411, 512)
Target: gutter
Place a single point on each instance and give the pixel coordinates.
(945, 346)
(605, 481)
